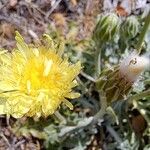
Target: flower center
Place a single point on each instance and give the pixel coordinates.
(36, 75)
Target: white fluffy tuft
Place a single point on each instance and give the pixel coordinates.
(132, 66)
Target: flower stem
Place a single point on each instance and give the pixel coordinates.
(98, 60)
(103, 102)
(85, 123)
(97, 64)
(139, 96)
(99, 115)
(143, 33)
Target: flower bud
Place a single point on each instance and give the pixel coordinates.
(106, 28)
(117, 82)
(130, 27)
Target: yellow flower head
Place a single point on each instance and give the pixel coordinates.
(34, 81)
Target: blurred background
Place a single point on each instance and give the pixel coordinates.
(74, 21)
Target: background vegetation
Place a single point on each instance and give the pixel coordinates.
(125, 125)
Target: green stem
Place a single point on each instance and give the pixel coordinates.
(143, 33)
(85, 123)
(98, 61)
(102, 111)
(139, 96)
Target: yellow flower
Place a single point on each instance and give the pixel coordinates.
(35, 80)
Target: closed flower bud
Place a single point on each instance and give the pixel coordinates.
(106, 28)
(130, 27)
(117, 82)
